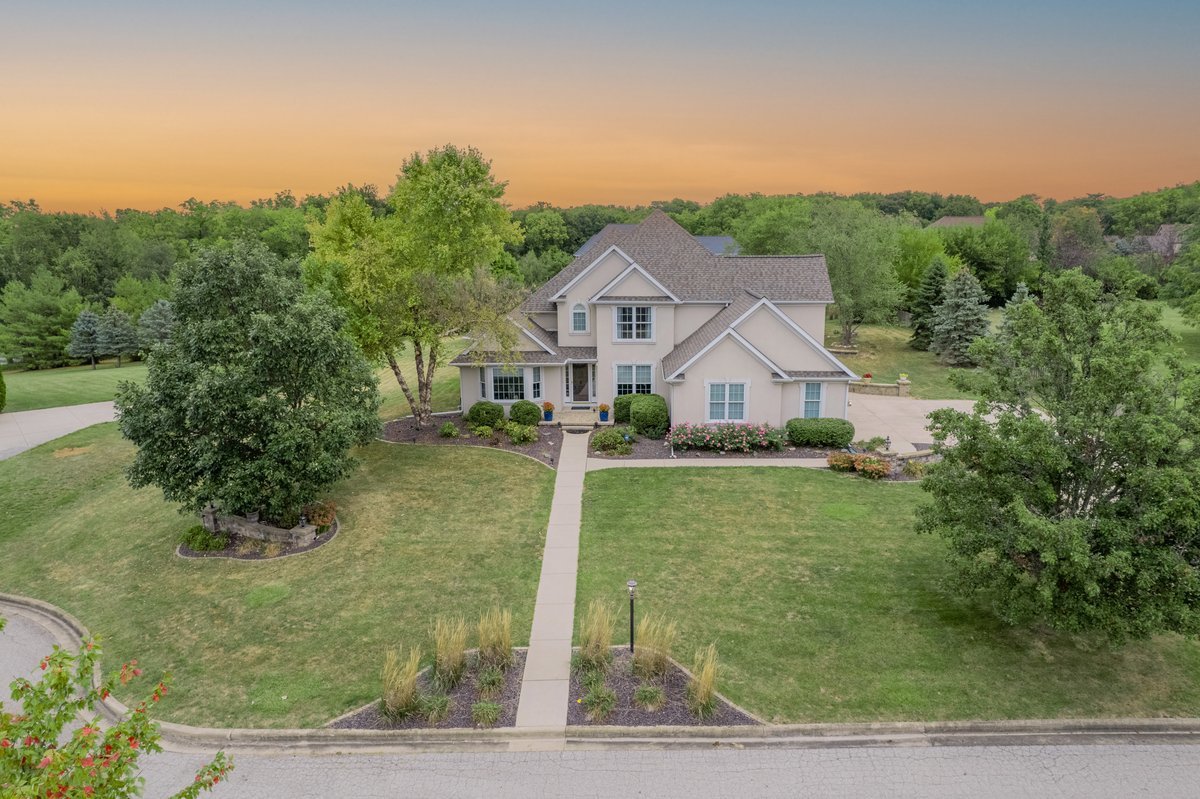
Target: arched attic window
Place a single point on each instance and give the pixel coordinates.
(579, 319)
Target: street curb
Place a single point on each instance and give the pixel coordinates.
(185, 738)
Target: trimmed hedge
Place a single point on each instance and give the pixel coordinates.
(837, 433)
(485, 414)
(648, 415)
(621, 408)
(525, 412)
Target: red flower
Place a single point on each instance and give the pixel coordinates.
(87, 762)
(45, 762)
(4, 744)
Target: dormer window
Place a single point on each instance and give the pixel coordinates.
(579, 319)
(635, 323)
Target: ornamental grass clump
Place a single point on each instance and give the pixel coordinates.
(599, 701)
(655, 639)
(485, 714)
(400, 695)
(650, 697)
(595, 635)
(491, 682)
(702, 689)
(449, 651)
(435, 708)
(495, 638)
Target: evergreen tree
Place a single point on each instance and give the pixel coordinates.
(85, 337)
(116, 335)
(959, 320)
(928, 296)
(156, 325)
(35, 320)
(1010, 309)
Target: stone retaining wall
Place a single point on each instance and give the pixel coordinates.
(299, 536)
(897, 389)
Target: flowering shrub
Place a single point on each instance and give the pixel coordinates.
(871, 467)
(840, 461)
(37, 760)
(726, 437)
(322, 513)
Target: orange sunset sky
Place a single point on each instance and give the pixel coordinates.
(136, 104)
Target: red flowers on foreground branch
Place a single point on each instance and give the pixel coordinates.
(101, 763)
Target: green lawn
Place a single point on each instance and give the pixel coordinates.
(884, 352)
(1189, 335)
(70, 385)
(445, 394)
(291, 642)
(826, 606)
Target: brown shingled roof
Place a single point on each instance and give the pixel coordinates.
(959, 221)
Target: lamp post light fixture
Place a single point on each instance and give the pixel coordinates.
(632, 590)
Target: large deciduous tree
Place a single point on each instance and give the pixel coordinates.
(1070, 497)
(412, 279)
(257, 398)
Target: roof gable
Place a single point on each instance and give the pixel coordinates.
(634, 281)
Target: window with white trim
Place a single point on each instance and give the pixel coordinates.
(635, 378)
(812, 400)
(727, 402)
(579, 319)
(535, 383)
(508, 384)
(635, 323)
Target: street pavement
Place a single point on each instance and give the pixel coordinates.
(26, 429)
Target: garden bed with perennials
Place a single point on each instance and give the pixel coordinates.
(651, 448)
(545, 448)
(670, 703)
(458, 709)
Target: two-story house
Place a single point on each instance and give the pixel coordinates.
(650, 309)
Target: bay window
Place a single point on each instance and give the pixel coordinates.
(508, 384)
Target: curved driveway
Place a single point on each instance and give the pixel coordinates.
(26, 429)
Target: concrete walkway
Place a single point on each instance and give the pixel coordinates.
(901, 418)
(547, 680)
(26, 429)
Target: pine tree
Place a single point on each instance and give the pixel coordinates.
(959, 320)
(116, 335)
(84, 337)
(1014, 302)
(156, 324)
(35, 320)
(929, 295)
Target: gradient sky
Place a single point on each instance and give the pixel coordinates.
(143, 104)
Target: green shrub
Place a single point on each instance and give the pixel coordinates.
(521, 433)
(611, 441)
(620, 408)
(871, 444)
(915, 469)
(485, 414)
(491, 682)
(198, 539)
(649, 697)
(483, 431)
(841, 461)
(836, 433)
(648, 415)
(600, 701)
(485, 714)
(871, 467)
(448, 430)
(525, 412)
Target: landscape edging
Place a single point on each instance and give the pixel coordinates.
(873, 733)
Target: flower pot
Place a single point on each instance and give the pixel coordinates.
(604, 416)
(548, 415)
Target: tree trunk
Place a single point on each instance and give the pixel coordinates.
(408, 395)
(847, 334)
(93, 361)
(425, 382)
(118, 360)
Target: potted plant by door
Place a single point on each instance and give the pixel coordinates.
(548, 411)
(603, 412)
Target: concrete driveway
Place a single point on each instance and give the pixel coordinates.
(901, 418)
(26, 429)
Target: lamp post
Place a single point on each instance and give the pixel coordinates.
(632, 590)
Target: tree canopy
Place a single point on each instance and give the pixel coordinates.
(1070, 497)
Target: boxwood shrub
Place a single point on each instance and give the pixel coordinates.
(837, 433)
(485, 414)
(621, 408)
(525, 412)
(648, 415)
(611, 440)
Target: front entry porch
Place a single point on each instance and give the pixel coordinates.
(580, 387)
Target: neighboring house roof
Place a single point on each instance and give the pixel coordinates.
(692, 272)
(959, 221)
(718, 245)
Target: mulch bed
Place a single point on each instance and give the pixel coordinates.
(675, 712)
(649, 448)
(465, 694)
(405, 430)
(246, 549)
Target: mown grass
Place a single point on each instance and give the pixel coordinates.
(825, 605)
(70, 385)
(290, 642)
(444, 396)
